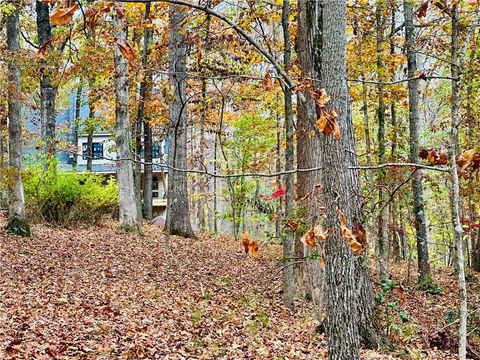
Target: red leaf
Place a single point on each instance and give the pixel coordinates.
(422, 11)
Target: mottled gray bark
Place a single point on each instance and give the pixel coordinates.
(128, 215)
(418, 199)
(48, 91)
(342, 315)
(178, 212)
(288, 240)
(17, 223)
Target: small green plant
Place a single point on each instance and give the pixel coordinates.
(68, 198)
(197, 316)
(426, 284)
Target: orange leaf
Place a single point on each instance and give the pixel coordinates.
(245, 242)
(432, 157)
(309, 239)
(62, 16)
(322, 262)
(468, 156)
(292, 224)
(356, 247)
(44, 48)
(253, 248)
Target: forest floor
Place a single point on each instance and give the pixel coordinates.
(97, 293)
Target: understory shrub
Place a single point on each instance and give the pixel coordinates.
(68, 198)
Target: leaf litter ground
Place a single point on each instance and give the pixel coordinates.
(98, 293)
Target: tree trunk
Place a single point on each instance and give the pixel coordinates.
(48, 91)
(147, 129)
(203, 181)
(178, 214)
(90, 129)
(288, 241)
(418, 200)
(76, 122)
(17, 223)
(330, 56)
(457, 67)
(128, 210)
(382, 240)
(310, 277)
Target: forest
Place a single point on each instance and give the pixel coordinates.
(250, 179)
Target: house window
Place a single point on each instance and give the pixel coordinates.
(97, 151)
(155, 192)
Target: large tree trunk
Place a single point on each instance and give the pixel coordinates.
(178, 212)
(418, 201)
(48, 91)
(310, 277)
(342, 314)
(288, 241)
(128, 210)
(17, 223)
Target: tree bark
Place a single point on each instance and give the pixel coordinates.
(17, 223)
(309, 276)
(128, 215)
(457, 67)
(418, 200)
(178, 214)
(76, 121)
(203, 181)
(288, 241)
(48, 91)
(342, 315)
(382, 239)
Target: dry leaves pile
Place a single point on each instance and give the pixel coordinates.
(98, 293)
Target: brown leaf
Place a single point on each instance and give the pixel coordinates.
(346, 233)
(442, 159)
(128, 52)
(62, 16)
(292, 224)
(119, 10)
(328, 124)
(267, 82)
(423, 153)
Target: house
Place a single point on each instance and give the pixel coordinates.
(104, 156)
(72, 135)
